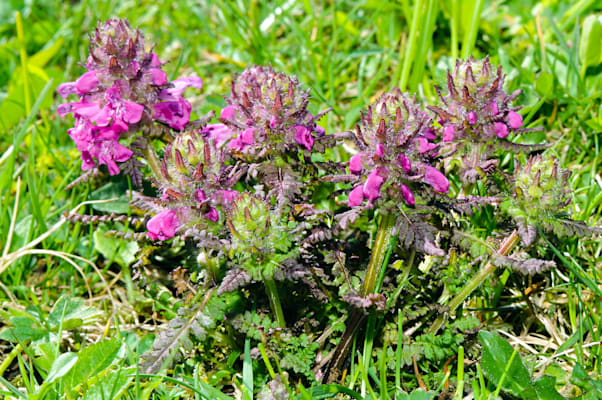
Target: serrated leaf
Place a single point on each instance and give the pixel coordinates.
(495, 360)
(61, 366)
(590, 44)
(91, 361)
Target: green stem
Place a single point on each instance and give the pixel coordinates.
(507, 246)
(153, 162)
(272, 292)
(381, 250)
(471, 34)
(379, 253)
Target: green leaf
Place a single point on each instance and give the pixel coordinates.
(61, 366)
(495, 361)
(91, 361)
(118, 250)
(111, 385)
(590, 44)
(591, 386)
(542, 389)
(72, 312)
(109, 191)
(327, 391)
(22, 330)
(544, 84)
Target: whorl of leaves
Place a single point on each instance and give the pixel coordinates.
(198, 320)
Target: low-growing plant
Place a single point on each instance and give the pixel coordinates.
(283, 233)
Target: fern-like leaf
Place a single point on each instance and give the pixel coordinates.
(527, 266)
(415, 231)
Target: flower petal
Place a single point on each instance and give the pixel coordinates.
(436, 179)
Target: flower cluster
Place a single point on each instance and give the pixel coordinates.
(396, 152)
(476, 114)
(268, 113)
(123, 91)
(195, 182)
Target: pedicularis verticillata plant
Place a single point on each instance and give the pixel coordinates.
(259, 200)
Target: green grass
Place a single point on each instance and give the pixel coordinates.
(347, 52)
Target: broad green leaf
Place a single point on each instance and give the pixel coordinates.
(542, 389)
(591, 386)
(61, 366)
(112, 385)
(590, 44)
(91, 361)
(544, 84)
(118, 250)
(41, 58)
(72, 312)
(496, 360)
(110, 191)
(23, 329)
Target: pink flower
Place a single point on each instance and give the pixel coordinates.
(123, 111)
(372, 185)
(199, 196)
(81, 86)
(436, 179)
(355, 163)
(405, 163)
(356, 196)
(227, 196)
(407, 194)
(515, 120)
(449, 133)
(245, 139)
(494, 108)
(380, 150)
(425, 145)
(176, 113)
(220, 133)
(163, 225)
(303, 137)
(212, 215)
(501, 130)
(227, 112)
(472, 117)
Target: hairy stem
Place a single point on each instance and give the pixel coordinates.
(272, 292)
(153, 161)
(380, 253)
(507, 245)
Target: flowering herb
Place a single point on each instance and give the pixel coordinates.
(123, 93)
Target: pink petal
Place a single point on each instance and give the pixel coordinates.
(174, 113)
(355, 163)
(405, 163)
(132, 112)
(86, 82)
(199, 195)
(407, 194)
(372, 185)
(436, 179)
(179, 85)
(163, 226)
(449, 132)
(515, 120)
(158, 76)
(472, 117)
(212, 215)
(380, 150)
(66, 89)
(220, 133)
(356, 196)
(493, 108)
(227, 112)
(501, 130)
(303, 137)
(425, 145)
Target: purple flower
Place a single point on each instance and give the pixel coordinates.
(514, 119)
(163, 226)
(407, 194)
(436, 179)
(227, 196)
(303, 137)
(355, 163)
(493, 107)
(227, 112)
(372, 185)
(212, 215)
(501, 130)
(356, 196)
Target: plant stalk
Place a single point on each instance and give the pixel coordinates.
(507, 245)
(272, 292)
(380, 252)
